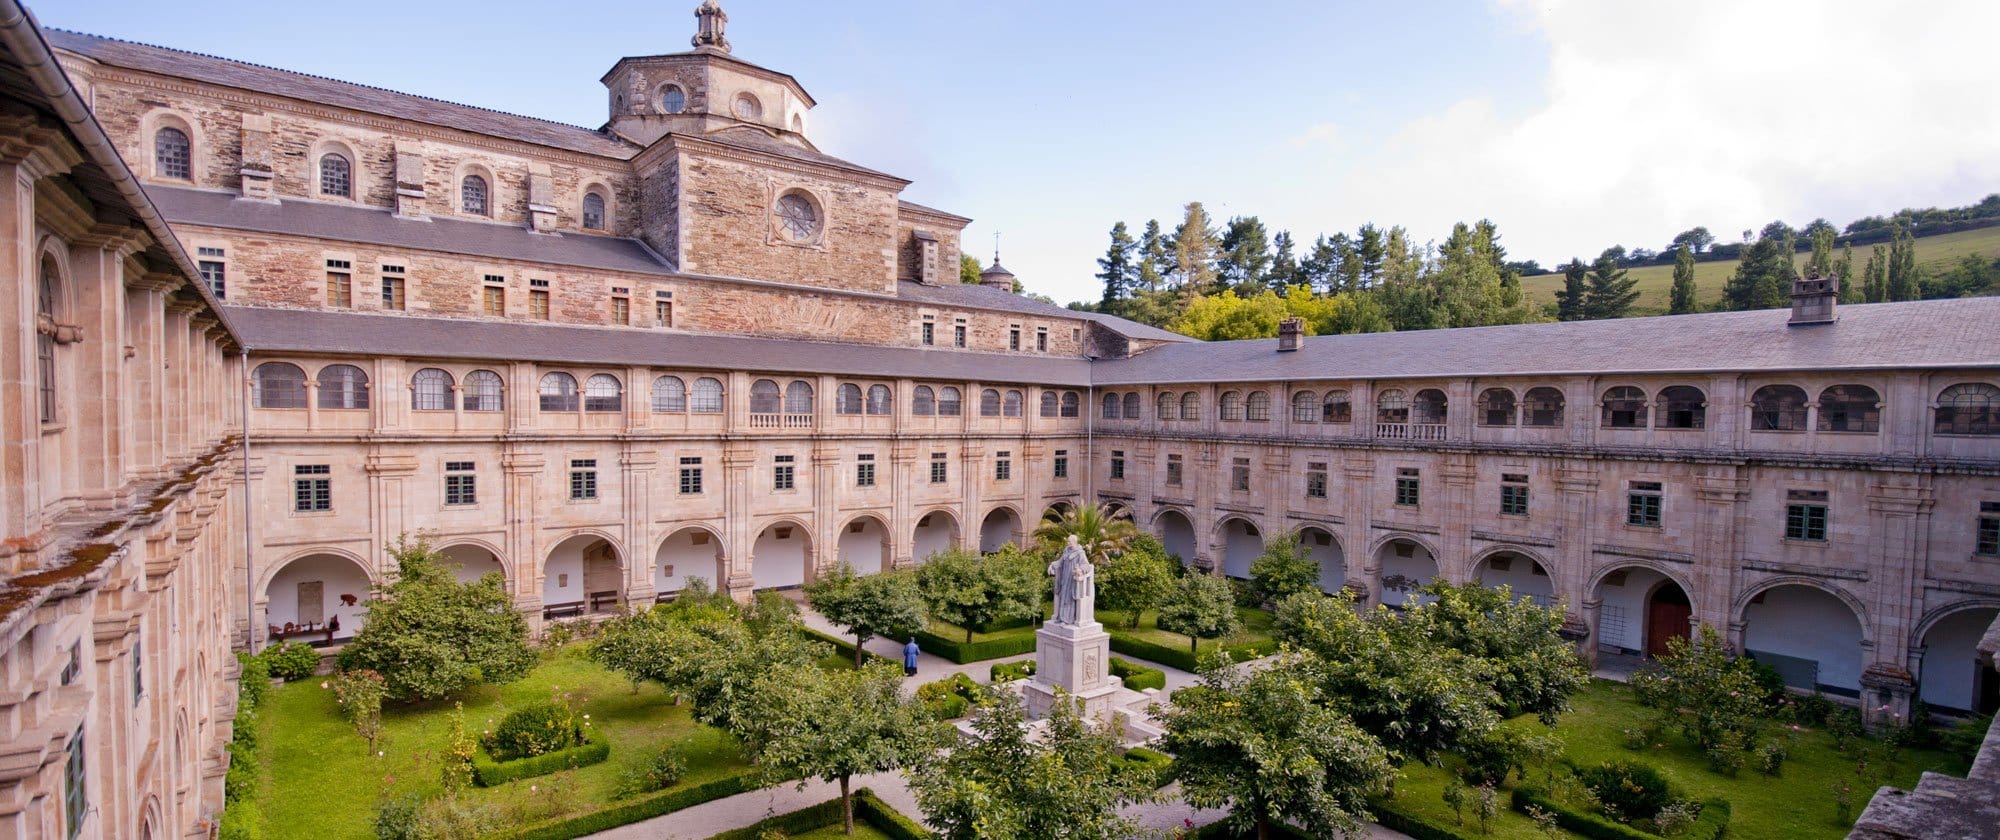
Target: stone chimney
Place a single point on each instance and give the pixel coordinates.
(1291, 332)
(1813, 300)
(997, 277)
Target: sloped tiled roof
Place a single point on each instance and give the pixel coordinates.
(986, 297)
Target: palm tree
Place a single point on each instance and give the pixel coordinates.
(1102, 533)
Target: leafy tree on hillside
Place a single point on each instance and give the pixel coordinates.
(1202, 607)
(883, 604)
(430, 635)
(1696, 239)
(1370, 250)
(1903, 281)
(1821, 262)
(1283, 569)
(1875, 285)
(1244, 257)
(1116, 270)
(1064, 784)
(966, 589)
(805, 721)
(1195, 250)
(1135, 580)
(1850, 285)
(1682, 300)
(1973, 275)
(1569, 301)
(1757, 282)
(1611, 291)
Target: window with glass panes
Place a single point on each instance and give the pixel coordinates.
(1062, 463)
(493, 297)
(1988, 543)
(663, 309)
(940, 468)
(1239, 474)
(1642, 504)
(76, 802)
(1041, 339)
(538, 300)
(1014, 337)
(621, 308)
(691, 476)
(340, 283)
(1315, 479)
(393, 286)
(1805, 515)
(1408, 491)
(1003, 465)
(312, 488)
(214, 271)
(1173, 470)
(784, 472)
(583, 479)
(1117, 465)
(864, 470)
(1514, 494)
(958, 333)
(929, 336)
(461, 483)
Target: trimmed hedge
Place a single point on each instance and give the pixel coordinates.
(1138, 677)
(886, 819)
(962, 652)
(647, 808)
(846, 647)
(489, 773)
(867, 809)
(1179, 657)
(1161, 763)
(1397, 819)
(1010, 671)
(1220, 831)
(1713, 821)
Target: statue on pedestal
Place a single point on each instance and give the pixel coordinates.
(1075, 586)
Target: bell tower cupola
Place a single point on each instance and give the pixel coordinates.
(709, 34)
(704, 90)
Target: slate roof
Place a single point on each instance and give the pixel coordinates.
(986, 297)
(1963, 333)
(317, 331)
(746, 137)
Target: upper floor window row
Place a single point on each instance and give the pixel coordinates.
(1065, 404)
(942, 402)
(992, 403)
(849, 400)
(765, 397)
(1124, 406)
(431, 390)
(602, 392)
(284, 385)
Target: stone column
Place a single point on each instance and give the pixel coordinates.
(902, 518)
(1899, 506)
(638, 464)
(738, 460)
(1460, 477)
(522, 468)
(1357, 497)
(1577, 487)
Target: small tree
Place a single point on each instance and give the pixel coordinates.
(360, 694)
(430, 635)
(1527, 661)
(1264, 744)
(884, 604)
(969, 590)
(455, 759)
(1283, 569)
(1710, 692)
(1101, 532)
(1136, 580)
(1201, 607)
(805, 721)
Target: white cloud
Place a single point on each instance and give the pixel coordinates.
(1659, 116)
(1319, 134)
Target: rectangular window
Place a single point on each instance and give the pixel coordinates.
(138, 667)
(213, 270)
(75, 795)
(312, 488)
(73, 668)
(1988, 544)
(1014, 336)
(691, 476)
(1315, 479)
(582, 479)
(1805, 515)
(461, 483)
(958, 334)
(1514, 494)
(1642, 504)
(929, 336)
(339, 284)
(1408, 492)
(1041, 339)
(864, 470)
(538, 304)
(1173, 470)
(392, 287)
(1117, 465)
(784, 472)
(940, 468)
(1062, 463)
(1239, 474)
(621, 311)
(493, 302)
(1003, 465)
(663, 313)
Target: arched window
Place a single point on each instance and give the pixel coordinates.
(1336, 407)
(748, 108)
(1072, 403)
(1305, 407)
(847, 400)
(1850, 408)
(1428, 407)
(1684, 407)
(950, 402)
(764, 397)
(603, 392)
(1132, 405)
(593, 211)
(1392, 406)
(1542, 407)
(473, 196)
(1257, 407)
(482, 391)
(336, 175)
(1230, 405)
(1971, 408)
(279, 385)
(45, 339)
(669, 395)
(989, 403)
(879, 400)
(1165, 410)
(1110, 410)
(1011, 402)
(1191, 405)
(172, 155)
(1778, 408)
(343, 386)
(1496, 407)
(430, 390)
(1624, 408)
(799, 397)
(558, 392)
(707, 397)
(923, 402)
(1050, 403)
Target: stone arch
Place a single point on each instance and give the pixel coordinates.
(863, 544)
(584, 571)
(320, 589)
(1177, 535)
(1001, 525)
(1501, 565)
(1405, 562)
(1650, 604)
(936, 530)
(596, 186)
(472, 558)
(149, 128)
(781, 556)
(1057, 509)
(480, 169)
(691, 551)
(1949, 673)
(1323, 547)
(1240, 541)
(346, 149)
(1774, 613)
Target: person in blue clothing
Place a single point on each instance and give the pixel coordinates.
(910, 658)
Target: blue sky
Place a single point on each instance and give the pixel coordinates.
(1574, 124)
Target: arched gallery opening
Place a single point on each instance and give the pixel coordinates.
(1810, 636)
(936, 531)
(1242, 542)
(1406, 566)
(1323, 548)
(778, 558)
(583, 574)
(687, 554)
(318, 598)
(471, 562)
(1952, 677)
(1176, 535)
(1519, 573)
(1057, 510)
(1000, 527)
(1639, 610)
(864, 545)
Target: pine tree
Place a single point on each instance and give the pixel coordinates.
(1850, 286)
(1370, 249)
(1876, 287)
(1115, 269)
(1569, 301)
(1611, 290)
(1153, 258)
(1244, 256)
(1347, 264)
(1321, 267)
(1284, 264)
(1194, 250)
(1682, 301)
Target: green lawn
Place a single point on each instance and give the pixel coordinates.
(957, 634)
(862, 831)
(319, 781)
(1256, 628)
(1796, 804)
(1937, 253)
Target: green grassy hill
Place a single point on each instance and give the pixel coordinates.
(1935, 252)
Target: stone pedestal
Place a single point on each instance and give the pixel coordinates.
(1077, 659)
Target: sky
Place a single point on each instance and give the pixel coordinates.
(1572, 124)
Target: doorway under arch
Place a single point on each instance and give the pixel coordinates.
(583, 574)
(1808, 634)
(1323, 548)
(1406, 566)
(317, 598)
(1952, 676)
(1000, 527)
(687, 554)
(778, 558)
(470, 562)
(1639, 610)
(936, 531)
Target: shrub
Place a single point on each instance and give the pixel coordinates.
(640, 809)
(1728, 753)
(535, 730)
(400, 818)
(660, 771)
(1010, 671)
(1138, 677)
(963, 652)
(489, 773)
(1676, 818)
(291, 661)
(1812, 709)
(1283, 569)
(1628, 789)
(254, 681)
(1964, 739)
(1843, 723)
(950, 697)
(1771, 758)
(1178, 657)
(1710, 825)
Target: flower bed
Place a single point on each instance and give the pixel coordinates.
(489, 773)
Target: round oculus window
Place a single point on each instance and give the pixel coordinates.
(798, 217)
(672, 100)
(748, 108)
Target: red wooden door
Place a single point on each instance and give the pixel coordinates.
(1666, 618)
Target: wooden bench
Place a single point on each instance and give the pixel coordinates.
(566, 609)
(279, 634)
(599, 601)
